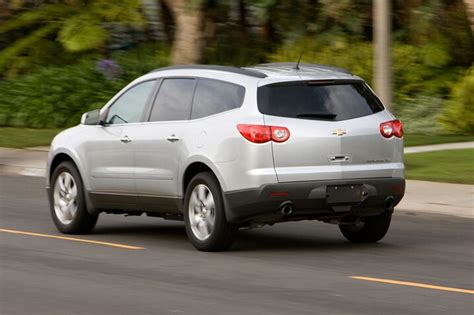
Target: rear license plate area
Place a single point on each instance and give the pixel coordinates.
(339, 194)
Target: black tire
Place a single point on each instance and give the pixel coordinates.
(82, 221)
(222, 235)
(373, 230)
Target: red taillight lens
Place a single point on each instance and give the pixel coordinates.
(398, 128)
(255, 133)
(262, 134)
(391, 128)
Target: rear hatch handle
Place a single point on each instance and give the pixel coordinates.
(340, 158)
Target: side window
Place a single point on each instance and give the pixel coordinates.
(128, 108)
(173, 101)
(214, 96)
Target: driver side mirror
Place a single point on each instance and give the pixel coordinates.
(92, 118)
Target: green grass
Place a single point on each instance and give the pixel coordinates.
(24, 137)
(413, 140)
(450, 166)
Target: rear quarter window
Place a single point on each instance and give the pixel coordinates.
(312, 100)
(213, 96)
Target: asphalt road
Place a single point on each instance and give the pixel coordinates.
(292, 268)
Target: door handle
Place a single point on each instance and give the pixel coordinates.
(172, 138)
(126, 139)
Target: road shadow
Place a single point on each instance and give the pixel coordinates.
(255, 240)
(150, 230)
(173, 234)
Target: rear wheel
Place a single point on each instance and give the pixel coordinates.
(368, 229)
(204, 215)
(68, 206)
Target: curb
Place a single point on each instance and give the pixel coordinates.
(435, 208)
(24, 171)
(40, 149)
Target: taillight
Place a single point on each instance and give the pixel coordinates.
(391, 128)
(255, 133)
(262, 134)
(280, 134)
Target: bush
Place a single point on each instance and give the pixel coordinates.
(458, 114)
(420, 114)
(417, 70)
(56, 97)
(353, 56)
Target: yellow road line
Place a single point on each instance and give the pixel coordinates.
(72, 239)
(414, 284)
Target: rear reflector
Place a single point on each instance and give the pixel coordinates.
(398, 188)
(391, 128)
(279, 194)
(262, 134)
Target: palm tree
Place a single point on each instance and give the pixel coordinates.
(78, 25)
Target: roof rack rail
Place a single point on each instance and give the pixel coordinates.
(249, 72)
(302, 65)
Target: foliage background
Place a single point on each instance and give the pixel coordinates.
(52, 51)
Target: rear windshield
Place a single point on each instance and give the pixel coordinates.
(313, 100)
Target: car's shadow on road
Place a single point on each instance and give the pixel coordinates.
(148, 231)
(173, 235)
(257, 241)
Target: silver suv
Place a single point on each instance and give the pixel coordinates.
(226, 148)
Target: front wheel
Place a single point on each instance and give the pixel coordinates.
(369, 230)
(204, 215)
(68, 206)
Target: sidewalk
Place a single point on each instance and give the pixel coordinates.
(420, 196)
(27, 162)
(439, 147)
(438, 198)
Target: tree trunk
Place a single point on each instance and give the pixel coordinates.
(382, 33)
(188, 37)
(470, 12)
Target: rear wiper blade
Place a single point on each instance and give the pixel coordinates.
(317, 115)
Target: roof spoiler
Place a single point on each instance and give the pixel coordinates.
(301, 66)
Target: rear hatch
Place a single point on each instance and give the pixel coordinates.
(334, 131)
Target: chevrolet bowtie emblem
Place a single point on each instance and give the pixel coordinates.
(339, 132)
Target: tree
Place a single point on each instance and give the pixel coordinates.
(187, 43)
(78, 25)
(470, 12)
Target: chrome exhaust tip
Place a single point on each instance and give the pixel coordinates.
(389, 203)
(286, 208)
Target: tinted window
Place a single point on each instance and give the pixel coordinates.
(174, 100)
(315, 101)
(213, 97)
(130, 105)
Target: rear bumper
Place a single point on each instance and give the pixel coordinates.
(310, 200)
